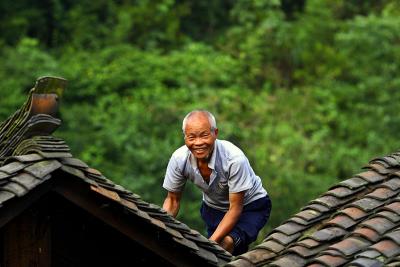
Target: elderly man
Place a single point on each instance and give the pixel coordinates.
(235, 205)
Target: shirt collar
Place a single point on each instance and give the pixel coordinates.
(211, 163)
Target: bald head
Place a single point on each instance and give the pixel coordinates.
(200, 113)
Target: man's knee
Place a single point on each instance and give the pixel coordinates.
(227, 243)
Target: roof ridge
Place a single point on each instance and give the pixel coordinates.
(37, 116)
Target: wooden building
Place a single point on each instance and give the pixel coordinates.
(57, 211)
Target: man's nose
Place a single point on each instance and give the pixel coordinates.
(198, 140)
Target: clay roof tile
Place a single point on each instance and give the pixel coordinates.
(353, 183)
(257, 255)
(354, 213)
(328, 260)
(371, 176)
(387, 248)
(382, 193)
(379, 224)
(328, 234)
(292, 260)
(365, 262)
(350, 246)
(367, 204)
(367, 233)
(342, 221)
(290, 228)
(282, 238)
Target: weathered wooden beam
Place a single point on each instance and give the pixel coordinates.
(108, 211)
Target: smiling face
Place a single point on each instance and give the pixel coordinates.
(198, 136)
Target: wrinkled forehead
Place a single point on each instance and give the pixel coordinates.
(197, 123)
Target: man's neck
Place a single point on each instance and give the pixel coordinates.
(202, 162)
(206, 160)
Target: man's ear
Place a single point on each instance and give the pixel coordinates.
(216, 132)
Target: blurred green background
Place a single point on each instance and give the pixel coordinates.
(308, 89)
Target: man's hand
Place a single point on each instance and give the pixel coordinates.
(172, 203)
(229, 221)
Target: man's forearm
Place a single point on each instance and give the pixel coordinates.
(170, 206)
(226, 225)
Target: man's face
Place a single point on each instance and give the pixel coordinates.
(198, 136)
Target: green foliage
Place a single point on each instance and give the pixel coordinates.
(19, 69)
(308, 89)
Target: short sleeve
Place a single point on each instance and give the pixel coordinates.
(239, 175)
(174, 180)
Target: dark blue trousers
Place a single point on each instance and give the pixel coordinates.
(254, 216)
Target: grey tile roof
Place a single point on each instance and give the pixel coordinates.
(355, 223)
(30, 156)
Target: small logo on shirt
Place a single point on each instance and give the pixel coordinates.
(222, 185)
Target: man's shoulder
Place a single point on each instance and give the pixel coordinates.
(181, 153)
(229, 149)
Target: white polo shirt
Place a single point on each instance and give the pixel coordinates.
(231, 173)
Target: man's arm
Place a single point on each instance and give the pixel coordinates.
(172, 203)
(230, 218)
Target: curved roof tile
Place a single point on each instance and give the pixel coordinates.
(355, 223)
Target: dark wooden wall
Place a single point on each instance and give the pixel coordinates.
(55, 232)
(26, 240)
